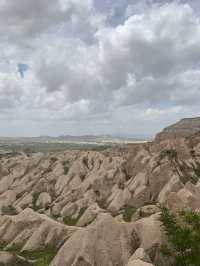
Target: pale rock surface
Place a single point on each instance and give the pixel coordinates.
(24, 202)
(90, 215)
(187, 197)
(145, 211)
(104, 242)
(44, 200)
(149, 231)
(173, 185)
(7, 259)
(31, 231)
(140, 254)
(139, 190)
(139, 262)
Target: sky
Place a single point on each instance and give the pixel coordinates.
(120, 67)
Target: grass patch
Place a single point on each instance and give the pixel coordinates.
(40, 257)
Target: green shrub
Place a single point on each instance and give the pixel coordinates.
(128, 213)
(183, 235)
(197, 169)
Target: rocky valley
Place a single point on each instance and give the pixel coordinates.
(96, 208)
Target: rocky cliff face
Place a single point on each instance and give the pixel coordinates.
(95, 208)
(184, 128)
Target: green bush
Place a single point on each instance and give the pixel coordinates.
(183, 235)
(128, 213)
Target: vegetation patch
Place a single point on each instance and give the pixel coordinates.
(68, 220)
(128, 213)
(183, 235)
(65, 167)
(186, 172)
(169, 153)
(8, 210)
(40, 257)
(55, 216)
(197, 169)
(35, 198)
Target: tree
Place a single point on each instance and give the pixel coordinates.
(183, 235)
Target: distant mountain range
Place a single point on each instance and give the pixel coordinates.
(71, 139)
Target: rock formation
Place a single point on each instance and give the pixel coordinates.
(96, 208)
(184, 128)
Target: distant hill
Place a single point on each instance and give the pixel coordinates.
(184, 128)
(71, 139)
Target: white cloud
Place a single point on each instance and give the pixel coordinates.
(84, 71)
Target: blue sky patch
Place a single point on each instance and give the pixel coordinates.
(22, 68)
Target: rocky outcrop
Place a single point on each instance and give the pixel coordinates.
(139, 262)
(104, 242)
(184, 128)
(141, 255)
(44, 200)
(32, 231)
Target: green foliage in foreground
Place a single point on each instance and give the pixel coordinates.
(183, 235)
(41, 257)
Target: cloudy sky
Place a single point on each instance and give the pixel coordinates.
(121, 67)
